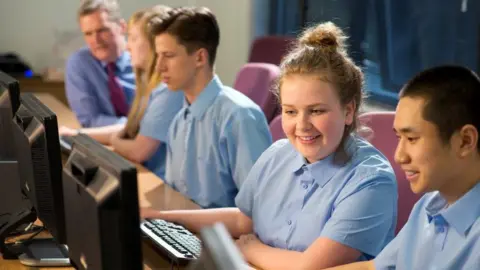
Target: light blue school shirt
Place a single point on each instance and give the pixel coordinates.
(292, 203)
(162, 108)
(213, 143)
(86, 85)
(436, 237)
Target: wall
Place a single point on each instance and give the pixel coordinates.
(43, 32)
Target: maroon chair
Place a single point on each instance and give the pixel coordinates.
(270, 49)
(276, 128)
(384, 139)
(256, 80)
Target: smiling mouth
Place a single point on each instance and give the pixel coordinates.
(307, 139)
(411, 175)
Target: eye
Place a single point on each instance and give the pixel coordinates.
(289, 112)
(103, 30)
(412, 139)
(318, 111)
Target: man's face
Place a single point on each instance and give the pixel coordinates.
(103, 36)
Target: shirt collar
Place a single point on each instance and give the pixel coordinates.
(460, 215)
(205, 99)
(322, 171)
(122, 63)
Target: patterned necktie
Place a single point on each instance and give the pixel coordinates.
(117, 96)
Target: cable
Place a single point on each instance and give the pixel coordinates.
(28, 239)
(31, 228)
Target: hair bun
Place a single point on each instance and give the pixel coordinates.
(326, 36)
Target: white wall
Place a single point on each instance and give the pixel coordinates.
(43, 32)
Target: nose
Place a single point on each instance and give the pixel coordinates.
(160, 64)
(96, 38)
(303, 122)
(401, 156)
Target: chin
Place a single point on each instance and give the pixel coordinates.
(418, 189)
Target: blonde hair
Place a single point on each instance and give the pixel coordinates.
(321, 51)
(110, 6)
(145, 80)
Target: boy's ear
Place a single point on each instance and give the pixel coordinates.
(466, 140)
(201, 57)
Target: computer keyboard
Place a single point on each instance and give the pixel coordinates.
(179, 244)
(66, 144)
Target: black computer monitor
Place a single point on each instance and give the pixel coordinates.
(9, 102)
(37, 147)
(10, 196)
(219, 252)
(13, 87)
(101, 207)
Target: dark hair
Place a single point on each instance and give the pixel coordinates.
(194, 28)
(320, 51)
(452, 96)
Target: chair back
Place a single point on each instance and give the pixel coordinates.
(256, 80)
(270, 49)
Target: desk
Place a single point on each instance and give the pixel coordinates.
(152, 192)
(39, 85)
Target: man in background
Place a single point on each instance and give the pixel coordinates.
(99, 80)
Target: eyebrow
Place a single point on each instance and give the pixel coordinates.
(308, 106)
(405, 130)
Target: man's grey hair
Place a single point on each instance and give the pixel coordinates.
(110, 6)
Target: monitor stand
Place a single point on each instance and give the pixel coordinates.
(30, 252)
(44, 253)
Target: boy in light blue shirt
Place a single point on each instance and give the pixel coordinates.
(218, 135)
(437, 121)
(324, 197)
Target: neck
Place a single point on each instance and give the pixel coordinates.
(198, 84)
(459, 185)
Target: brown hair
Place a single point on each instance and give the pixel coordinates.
(110, 6)
(194, 28)
(321, 51)
(145, 80)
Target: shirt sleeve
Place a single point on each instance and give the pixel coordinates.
(163, 107)
(387, 259)
(81, 99)
(245, 137)
(364, 215)
(245, 198)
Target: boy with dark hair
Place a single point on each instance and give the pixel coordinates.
(438, 122)
(219, 134)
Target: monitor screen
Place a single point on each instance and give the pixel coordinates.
(37, 146)
(101, 207)
(219, 252)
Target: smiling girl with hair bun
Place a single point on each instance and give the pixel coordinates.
(324, 196)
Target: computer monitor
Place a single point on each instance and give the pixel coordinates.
(9, 100)
(219, 252)
(101, 207)
(37, 147)
(12, 87)
(10, 196)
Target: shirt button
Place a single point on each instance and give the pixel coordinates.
(305, 186)
(289, 222)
